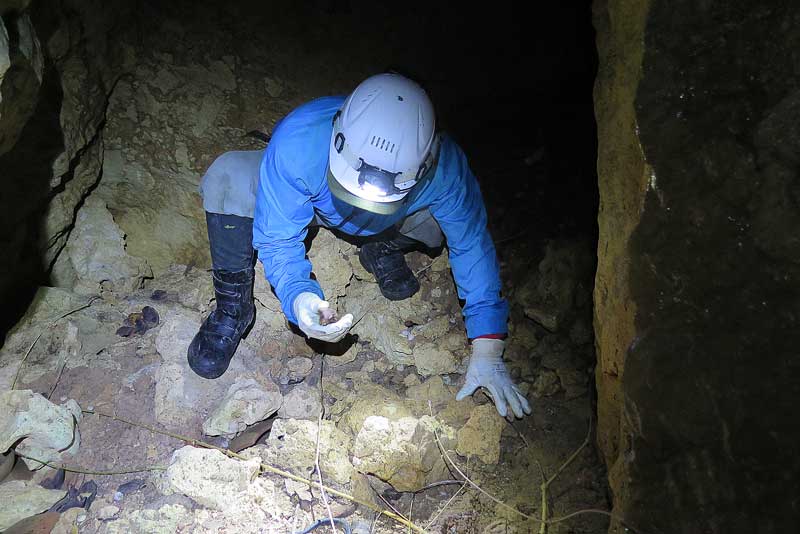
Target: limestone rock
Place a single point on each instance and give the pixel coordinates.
(432, 359)
(302, 402)
(209, 477)
(96, 249)
(176, 332)
(164, 520)
(292, 445)
(247, 402)
(47, 431)
(549, 296)
(546, 384)
(373, 399)
(481, 435)
(23, 499)
(297, 369)
(327, 256)
(403, 452)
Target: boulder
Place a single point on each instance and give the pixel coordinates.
(247, 402)
(209, 477)
(39, 428)
(23, 499)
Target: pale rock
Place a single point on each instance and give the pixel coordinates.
(373, 399)
(294, 487)
(292, 445)
(382, 321)
(546, 384)
(410, 380)
(96, 248)
(175, 334)
(209, 477)
(166, 520)
(302, 402)
(248, 401)
(402, 453)
(349, 356)
(107, 512)
(480, 437)
(332, 270)
(67, 523)
(432, 359)
(23, 499)
(38, 427)
(298, 368)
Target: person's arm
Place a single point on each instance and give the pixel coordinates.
(282, 215)
(460, 212)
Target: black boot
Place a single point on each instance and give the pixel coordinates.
(213, 347)
(386, 261)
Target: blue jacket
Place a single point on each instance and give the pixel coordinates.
(293, 187)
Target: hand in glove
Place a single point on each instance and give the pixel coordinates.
(310, 310)
(486, 368)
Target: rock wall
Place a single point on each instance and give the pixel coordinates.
(58, 64)
(696, 299)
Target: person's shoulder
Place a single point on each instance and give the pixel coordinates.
(309, 114)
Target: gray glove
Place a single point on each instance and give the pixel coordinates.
(308, 308)
(486, 369)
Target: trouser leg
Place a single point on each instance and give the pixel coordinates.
(422, 227)
(228, 190)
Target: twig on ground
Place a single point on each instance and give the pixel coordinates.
(443, 508)
(514, 510)
(264, 467)
(319, 432)
(58, 377)
(411, 509)
(27, 353)
(543, 527)
(546, 482)
(91, 472)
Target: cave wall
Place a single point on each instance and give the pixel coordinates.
(696, 298)
(58, 63)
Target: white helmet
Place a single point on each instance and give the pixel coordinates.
(384, 142)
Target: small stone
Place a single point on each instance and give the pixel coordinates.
(546, 384)
(302, 402)
(107, 512)
(411, 380)
(481, 435)
(298, 368)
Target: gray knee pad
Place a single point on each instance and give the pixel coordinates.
(230, 183)
(421, 226)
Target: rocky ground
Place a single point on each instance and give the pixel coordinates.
(386, 394)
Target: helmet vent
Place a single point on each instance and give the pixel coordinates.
(382, 144)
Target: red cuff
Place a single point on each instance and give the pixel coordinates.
(491, 336)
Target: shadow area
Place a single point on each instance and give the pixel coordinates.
(25, 181)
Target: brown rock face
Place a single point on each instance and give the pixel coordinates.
(696, 299)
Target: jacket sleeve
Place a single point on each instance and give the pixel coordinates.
(282, 214)
(460, 212)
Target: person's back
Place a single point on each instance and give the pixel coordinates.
(371, 165)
